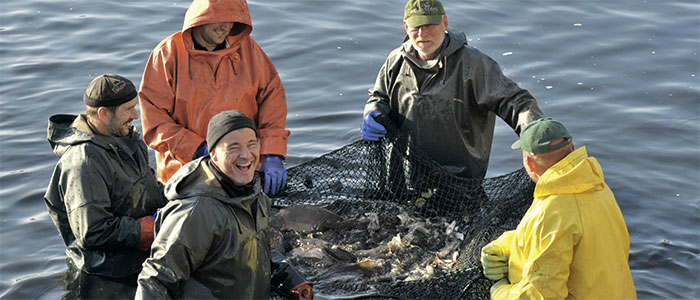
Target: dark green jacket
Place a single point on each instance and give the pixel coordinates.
(100, 187)
(211, 246)
(448, 105)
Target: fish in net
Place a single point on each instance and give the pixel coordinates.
(382, 220)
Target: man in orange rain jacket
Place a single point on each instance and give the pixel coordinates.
(212, 65)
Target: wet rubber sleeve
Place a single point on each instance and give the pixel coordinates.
(89, 205)
(272, 106)
(178, 249)
(379, 93)
(546, 244)
(497, 93)
(157, 101)
(504, 241)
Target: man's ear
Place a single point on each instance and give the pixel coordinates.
(530, 163)
(213, 156)
(104, 114)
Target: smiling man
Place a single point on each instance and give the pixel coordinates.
(444, 94)
(212, 65)
(213, 237)
(102, 193)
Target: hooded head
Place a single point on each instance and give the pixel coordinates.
(202, 12)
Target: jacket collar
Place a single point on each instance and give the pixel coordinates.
(197, 179)
(65, 131)
(456, 40)
(575, 173)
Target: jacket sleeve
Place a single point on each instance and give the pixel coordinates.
(497, 93)
(157, 101)
(379, 93)
(272, 110)
(284, 276)
(86, 183)
(548, 240)
(178, 249)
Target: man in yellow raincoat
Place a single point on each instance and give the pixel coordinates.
(572, 242)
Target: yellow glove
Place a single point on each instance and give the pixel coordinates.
(494, 262)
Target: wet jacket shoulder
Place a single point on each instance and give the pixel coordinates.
(447, 105)
(488, 86)
(182, 88)
(99, 188)
(207, 244)
(573, 241)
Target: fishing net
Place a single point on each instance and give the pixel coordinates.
(394, 178)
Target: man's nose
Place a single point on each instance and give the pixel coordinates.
(245, 152)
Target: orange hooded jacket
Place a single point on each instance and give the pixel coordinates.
(182, 88)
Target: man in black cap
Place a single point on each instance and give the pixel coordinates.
(213, 237)
(102, 193)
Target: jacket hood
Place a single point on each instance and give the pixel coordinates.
(203, 12)
(457, 41)
(576, 173)
(195, 179)
(65, 131)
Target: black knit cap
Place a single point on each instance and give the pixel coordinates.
(225, 122)
(109, 90)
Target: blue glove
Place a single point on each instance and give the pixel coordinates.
(371, 129)
(201, 151)
(275, 174)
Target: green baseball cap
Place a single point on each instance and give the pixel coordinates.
(538, 135)
(423, 12)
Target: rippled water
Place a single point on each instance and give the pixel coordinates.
(622, 75)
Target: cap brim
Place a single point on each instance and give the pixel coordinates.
(421, 20)
(516, 145)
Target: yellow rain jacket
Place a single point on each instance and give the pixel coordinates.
(572, 243)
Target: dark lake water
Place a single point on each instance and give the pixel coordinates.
(624, 76)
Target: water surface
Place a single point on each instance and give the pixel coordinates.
(622, 75)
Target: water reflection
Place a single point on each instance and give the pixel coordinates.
(80, 285)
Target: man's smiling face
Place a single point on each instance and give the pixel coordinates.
(213, 34)
(237, 155)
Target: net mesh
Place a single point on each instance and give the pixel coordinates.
(393, 173)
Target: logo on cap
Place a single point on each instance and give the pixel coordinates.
(540, 136)
(118, 87)
(425, 8)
